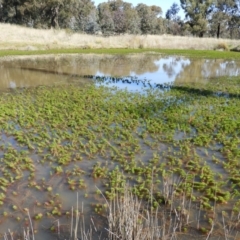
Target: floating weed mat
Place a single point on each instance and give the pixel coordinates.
(178, 150)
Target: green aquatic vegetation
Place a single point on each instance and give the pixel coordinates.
(5, 214)
(14, 207)
(99, 171)
(56, 211)
(38, 216)
(186, 140)
(99, 208)
(202, 140)
(116, 182)
(49, 189)
(82, 184)
(58, 170)
(76, 171)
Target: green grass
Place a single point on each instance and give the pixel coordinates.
(210, 54)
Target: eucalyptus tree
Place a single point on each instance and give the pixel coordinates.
(172, 12)
(57, 13)
(235, 27)
(197, 15)
(174, 22)
(125, 17)
(45, 13)
(132, 19)
(106, 21)
(222, 13)
(1, 11)
(17, 11)
(161, 27)
(156, 10)
(85, 16)
(118, 15)
(10, 11)
(91, 22)
(234, 21)
(148, 17)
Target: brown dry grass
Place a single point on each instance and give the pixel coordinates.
(17, 37)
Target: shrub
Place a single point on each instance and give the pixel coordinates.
(222, 46)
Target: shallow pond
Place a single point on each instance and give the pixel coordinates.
(132, 71)
(79, 135)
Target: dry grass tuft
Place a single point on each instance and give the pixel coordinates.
(222, 46)
(128, 220)
(132, 219)
(22, 38)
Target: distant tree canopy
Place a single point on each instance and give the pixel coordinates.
(213, 17)
(174, 22)
(225, 18)
(44, 13)
(216, 18)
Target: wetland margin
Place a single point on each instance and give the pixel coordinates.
(208, 54)
(178, 150)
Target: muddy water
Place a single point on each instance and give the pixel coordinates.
(26, 72)
(156, 69)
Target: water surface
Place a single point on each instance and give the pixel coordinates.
(133, 72)
(148, 69)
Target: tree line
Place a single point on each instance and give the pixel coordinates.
(215, 18)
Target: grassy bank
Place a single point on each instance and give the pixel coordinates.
(210, 54)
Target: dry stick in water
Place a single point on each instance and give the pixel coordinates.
(171, 210)
(72, 222)
(198, 218)
(238, 220)
(168, 193)
(83, 228)
(5, 236)
(77, 220)
(211, 230)
(164, 225)
(112, 212)
(231, 227)
(30, 220)
(214, 209)
(85, 235)
(227, 230)
(26, 234)
(125, 213)
(93, 225)
(224, 228)
(190, 201)
(175, 226)
(58, 228)
(10, 234)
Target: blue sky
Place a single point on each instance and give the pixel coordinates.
(164, 4)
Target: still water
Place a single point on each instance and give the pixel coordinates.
(132, 72)
(148, 68)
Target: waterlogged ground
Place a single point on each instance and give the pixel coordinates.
(182, 144)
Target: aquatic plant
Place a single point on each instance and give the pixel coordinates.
(174, 148)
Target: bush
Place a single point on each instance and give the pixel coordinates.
(222, 46)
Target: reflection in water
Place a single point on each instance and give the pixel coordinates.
(151, 68)
(201, 70)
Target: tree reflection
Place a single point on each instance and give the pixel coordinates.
(201, 70)
(25, 72)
